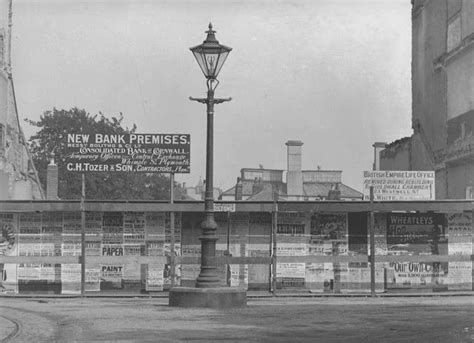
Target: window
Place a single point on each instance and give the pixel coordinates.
(2, 48)
(454, 31)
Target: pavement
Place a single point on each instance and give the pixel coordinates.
(289, 318)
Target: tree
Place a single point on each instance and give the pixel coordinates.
(53, 127)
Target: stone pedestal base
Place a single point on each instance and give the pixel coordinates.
(221, 297)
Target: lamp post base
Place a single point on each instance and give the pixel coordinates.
(220, 297)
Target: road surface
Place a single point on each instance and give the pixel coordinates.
(433, 319)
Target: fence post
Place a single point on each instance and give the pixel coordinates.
(228, 268)
(372, 243)
(83, 235)
(172, 240)
(273, 273)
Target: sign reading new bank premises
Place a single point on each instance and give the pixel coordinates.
(399, 185)
(135, 152)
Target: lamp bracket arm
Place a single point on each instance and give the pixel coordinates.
(221, 100)
(201, 100)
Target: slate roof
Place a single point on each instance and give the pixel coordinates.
(230, 191)
(322, 190)
(267, 195)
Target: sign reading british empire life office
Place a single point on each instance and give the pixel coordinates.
(399, 185)
(135, 152)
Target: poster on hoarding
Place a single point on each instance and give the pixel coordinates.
(135, 152)
(155, 248)
(329, 234)
(154, 278)
(8, 234)
(258, 273)
(155, 226)
(92, 279)
(399, 185)
(29, 234)
(415, 233)
(9, 246)
(238, 273)
(358, 279)
(319, 277)
(380, 228)
(291, 249)
(290, 224)
(134, 228)
(177, 227)
(51, 240)
(329, 226)
(459, 243)
(111, 272)
(291, 275)
(459, 276)
(459, 233)
(112, 250)
(93, 248)
(71, 278)
(190, 272)
(29, 271)
(71, 245)
(416, 275)
(93, 225)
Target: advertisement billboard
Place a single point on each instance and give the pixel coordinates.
(134, 152)
(398, 185)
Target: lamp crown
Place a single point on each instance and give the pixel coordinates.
(211, 37)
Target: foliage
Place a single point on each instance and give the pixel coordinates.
(53, 127)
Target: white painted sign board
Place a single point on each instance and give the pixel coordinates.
(395, 185)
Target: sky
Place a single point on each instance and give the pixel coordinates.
(334, 74)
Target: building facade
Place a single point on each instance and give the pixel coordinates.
(198, 192)
(261, 184)
(18, 177)
(443, 98)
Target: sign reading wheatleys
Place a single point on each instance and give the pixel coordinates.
(135, 152)
(400, 185)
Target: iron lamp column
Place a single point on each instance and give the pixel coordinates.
(210, 56)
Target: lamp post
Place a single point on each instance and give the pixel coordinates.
(375, 166)
(209, 292)
(210, 56)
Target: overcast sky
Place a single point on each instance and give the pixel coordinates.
(334, 74)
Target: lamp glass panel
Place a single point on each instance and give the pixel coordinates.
(199, 55)
(220, 62)
(212, 60)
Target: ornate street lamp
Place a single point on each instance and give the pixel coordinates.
(210, 56)
(209, 292)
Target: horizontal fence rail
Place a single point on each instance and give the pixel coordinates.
(231, 260)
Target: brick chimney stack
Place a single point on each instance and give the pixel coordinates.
(294, 175)
(52, 180)
(238, 189)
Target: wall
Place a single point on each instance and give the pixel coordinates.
(14, 159)
(396, 156)
(459, 177)
(460, 84)
(428, 84)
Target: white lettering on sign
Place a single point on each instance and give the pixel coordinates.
(224, 207)
(399, 185)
